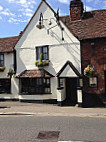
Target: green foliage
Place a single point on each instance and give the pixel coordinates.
(41, 56)
(10, 72)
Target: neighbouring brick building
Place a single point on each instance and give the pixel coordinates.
(90, 29)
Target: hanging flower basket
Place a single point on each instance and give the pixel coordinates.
(89, 71)
(10, 73)
(2, 69)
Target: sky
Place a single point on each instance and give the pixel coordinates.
(15, 14)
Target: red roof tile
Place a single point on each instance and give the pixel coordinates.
(92, 25)
(34, 74)
(7, 44)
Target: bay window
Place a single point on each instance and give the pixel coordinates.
(35, 86)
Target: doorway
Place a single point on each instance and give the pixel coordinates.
(71, 91)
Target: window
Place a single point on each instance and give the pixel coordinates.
(1, 60)
(35, 86)
(60, 83)
(44, 51)
(5, 86)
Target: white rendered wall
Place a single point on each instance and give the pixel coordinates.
(8, 63)
(61, 94)
(68, 72)
(59, 51)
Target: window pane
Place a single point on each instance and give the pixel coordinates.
(45, 56)
(39, 81)
(1, 60)
(1, 63)
(48, 81)
(39, 51)
(44, 49)
(45, 53)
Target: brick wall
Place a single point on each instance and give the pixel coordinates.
(95, 55)
(75, 13)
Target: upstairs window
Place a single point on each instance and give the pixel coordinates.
(42, 50)
(1, 60)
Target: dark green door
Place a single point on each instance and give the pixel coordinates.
(71, 91)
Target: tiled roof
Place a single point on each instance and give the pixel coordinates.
(7, 44)
(92, 25)
(35, 74)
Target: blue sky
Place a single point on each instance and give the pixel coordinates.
(15, 14)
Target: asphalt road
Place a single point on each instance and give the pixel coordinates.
(27, 128)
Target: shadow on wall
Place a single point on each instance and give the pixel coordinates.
(69, 48)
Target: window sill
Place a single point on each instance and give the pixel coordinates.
(35, 94)
(3, 93)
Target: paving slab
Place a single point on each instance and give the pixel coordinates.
(19, 108)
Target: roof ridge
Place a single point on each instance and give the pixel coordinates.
(9, 37)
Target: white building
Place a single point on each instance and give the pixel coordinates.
(55, 49)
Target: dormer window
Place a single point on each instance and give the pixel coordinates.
(44, 51)
(1, 60)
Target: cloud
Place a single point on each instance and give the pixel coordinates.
(10, 1)
(1, 8)
(17, 21)
(64, 1)
(104, 5)
(0, 18)
(23, 3)
(88, 8)
(24, 11)
(7, 12)
(89, 0)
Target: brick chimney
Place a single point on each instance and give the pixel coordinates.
(76, 10)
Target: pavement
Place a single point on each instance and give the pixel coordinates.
(30, 109)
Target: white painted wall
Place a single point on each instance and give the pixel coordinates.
(68, 72)
(61, 94)
(59, 51)
(8, 63)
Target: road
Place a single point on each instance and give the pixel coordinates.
(26, 128)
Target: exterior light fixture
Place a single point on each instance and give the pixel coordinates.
(40, 26)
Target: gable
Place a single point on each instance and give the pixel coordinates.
(32, 35)
(68, 72)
